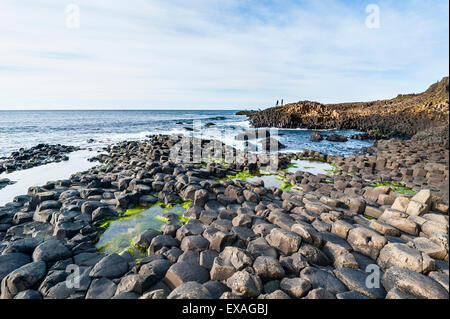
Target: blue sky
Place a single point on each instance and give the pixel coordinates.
(211, 54)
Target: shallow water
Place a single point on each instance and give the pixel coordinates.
(120, 233)
(40, 175)
(275, 180)
(312, 167)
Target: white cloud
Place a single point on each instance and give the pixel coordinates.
(215, 54)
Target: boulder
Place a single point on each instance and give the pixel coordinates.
(196, 242)
(102, 288)
(314, 255)
(136, 283)
(221, 269)
(144, 239)
(245, 284)
(295, 287)
(285, 241)
(268, 268)
(51, 250)
(12, 261)
(355, 280)
(366, 241)
(183, 272)
(404, 256)
(110, 266)
(322, 279)
(23, 278)
(238, 257)
(190, 290)
(316, 137)
(413, 283)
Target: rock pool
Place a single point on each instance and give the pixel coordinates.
(119, 233)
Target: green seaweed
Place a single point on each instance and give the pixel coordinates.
(125, 240)
(313, 159)
(185, 204)
(220, 161)
(401, 188)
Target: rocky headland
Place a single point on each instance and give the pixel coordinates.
(423, 116)
(384, 209)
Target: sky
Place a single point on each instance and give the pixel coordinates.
(216, 54)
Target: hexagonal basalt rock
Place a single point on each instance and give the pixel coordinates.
(285, 241)
(356, 280)
(12, 261)
(111, 266)
(183, 272)
(245, 284)
(268, 268)
(366, 241)
(238, 257)
(197, 243)
(22, 279)
(404, 256)
(412, 283)
(51, 250)
(190, 290)
(322, 279)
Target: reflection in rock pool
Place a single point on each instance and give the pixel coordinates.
(276, 179)
(120, 233)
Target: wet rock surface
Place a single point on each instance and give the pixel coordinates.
(330, 237)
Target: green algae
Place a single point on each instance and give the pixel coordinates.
(119, 234)
(313, 159)
(220, 161)
(400, 188)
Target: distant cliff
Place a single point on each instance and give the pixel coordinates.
(423, 116)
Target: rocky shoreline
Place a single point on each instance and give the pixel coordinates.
(423, 117)
(40, 154)
(320, 239)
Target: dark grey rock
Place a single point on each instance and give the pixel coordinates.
(268, 268)
(413, 283)
(322, 279)
(183, 272)
(355, 280)
(22, 279)
(102, 288)
(190, 290)
(245, 284)
(51, 250)
(295, 287)
(28, 294)
(12, 261)
(111, 266)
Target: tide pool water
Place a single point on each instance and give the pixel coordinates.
(40, 175)
(119, 234)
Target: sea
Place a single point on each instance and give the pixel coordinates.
(96, 129)
(92, 131)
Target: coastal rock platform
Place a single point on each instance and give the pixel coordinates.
(341, 235)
